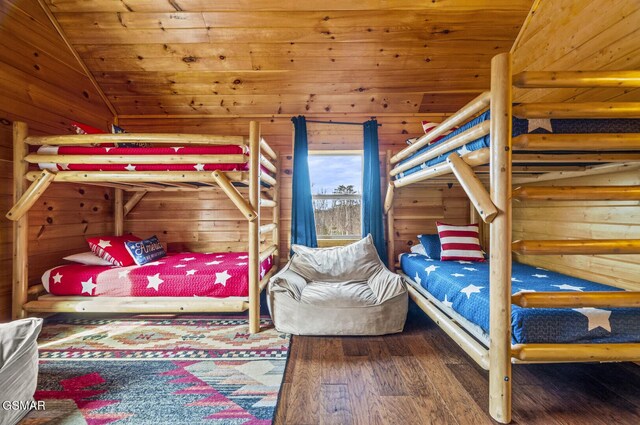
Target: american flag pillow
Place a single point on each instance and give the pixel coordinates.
(113, 249)
(459, 242)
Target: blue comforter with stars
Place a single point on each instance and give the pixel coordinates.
(464, 286)
(523, 126)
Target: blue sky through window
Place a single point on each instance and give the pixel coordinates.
(329, 171)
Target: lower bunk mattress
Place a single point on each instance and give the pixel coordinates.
(187, 274)
(463, 287)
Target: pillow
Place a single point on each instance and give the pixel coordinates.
(431, 245)
(112, 249)
(87, 258)
(428, 126)
(419, 249)
(145, 251)
(459, 242)
(119, 130)
(85, 129)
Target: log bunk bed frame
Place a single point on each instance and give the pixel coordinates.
(495, 209)
(139, 183)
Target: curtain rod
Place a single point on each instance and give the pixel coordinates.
(338, 122)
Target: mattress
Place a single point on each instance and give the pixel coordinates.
(525, 126)
(187, 274)
(132, 152)
(464, 287)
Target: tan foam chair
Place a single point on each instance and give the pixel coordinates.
(18, 365)
(337, 291)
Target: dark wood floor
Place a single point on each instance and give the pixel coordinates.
(422, 377)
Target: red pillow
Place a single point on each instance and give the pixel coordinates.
(459, 242)
(85, 129)
(113, 249)
(428, 126)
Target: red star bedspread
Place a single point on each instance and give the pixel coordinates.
(140, 151)
(185, 274)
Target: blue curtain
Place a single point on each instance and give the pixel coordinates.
(303, 223)
(372, 221)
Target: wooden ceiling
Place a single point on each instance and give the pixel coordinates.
(242, 57)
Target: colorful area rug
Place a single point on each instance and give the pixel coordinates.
(150, 370)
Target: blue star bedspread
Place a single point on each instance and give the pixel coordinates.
(523, 126)
(464, 286)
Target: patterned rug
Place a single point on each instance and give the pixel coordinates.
(158, 370)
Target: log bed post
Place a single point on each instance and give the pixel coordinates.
(276, 214)
(21, 226)
(118, 212)
(391, 248)
(500, 266)
(254, 228)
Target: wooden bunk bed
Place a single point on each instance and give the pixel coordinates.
(510, 173)
(259, 159)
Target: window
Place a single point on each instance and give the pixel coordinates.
(336, 187)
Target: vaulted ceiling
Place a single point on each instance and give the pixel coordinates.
(242, 57)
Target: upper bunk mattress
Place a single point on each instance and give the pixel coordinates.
(132, 152)
(187, 274)
(464, 287)
(526, 126)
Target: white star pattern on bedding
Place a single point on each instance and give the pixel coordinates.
(417, 279)
(569, 287)
(130, 167)
(191, 272)
(457, 275)
(471, 289)
(104, 244)
(243, 257)
(154, 281)
(463, 150)
(123, 273)
(211, 263)
(222, 278)
(188, 259)
(539, 276)
(597, 318)
(431, 269)
(155, 263)
(471, 269)
(179, 266)
(199, 167)
(447, 303)
(57, 278)
(537, 123)
(88, 286)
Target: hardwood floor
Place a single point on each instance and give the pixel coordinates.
(422, 377)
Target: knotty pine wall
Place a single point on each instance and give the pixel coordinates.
(41, 83)
(197, 216)
(582, 35)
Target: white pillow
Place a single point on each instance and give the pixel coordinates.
(419, 249)
(88, 258)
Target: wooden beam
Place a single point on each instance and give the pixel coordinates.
(577, 247)
(270, 250)
(577, 193)
(235, 196)
(500, 266)
(589, 171)
(267, 164)
(455, 142)
(473, 348)
(267, 149)
(609, 299)
(475, 158)
(577, 142)
(254, 231)
(35, 158)
(470, 109)
(75, 54)
(473, 187)
(570, 353)
(276, 218)
(67, 304)
(389, 210)
(266, 178)
(31, 195)
(577, 79)
(21, 226)
(578, 110)
(266, 228)
(267, 203)
(177, 139)
(139, 176)
(133, 201)
(118, 212)
(551, 158)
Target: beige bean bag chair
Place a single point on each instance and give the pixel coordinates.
(337, 291)
(18, 366)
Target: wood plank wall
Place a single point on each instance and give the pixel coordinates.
(190, 216)
(582, 35)
(41, 83)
